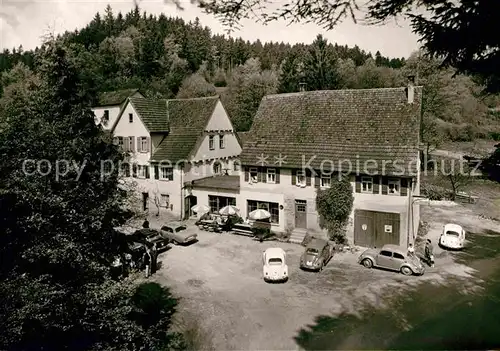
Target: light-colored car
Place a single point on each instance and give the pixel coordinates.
(392, 257)
(178, 233)
(453, 237)
(275, 267)
(316, 255)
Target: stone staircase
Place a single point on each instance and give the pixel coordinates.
(298, 235)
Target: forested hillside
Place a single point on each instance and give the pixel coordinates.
(167, 57)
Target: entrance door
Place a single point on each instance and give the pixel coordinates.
(145, 201)
(364, 230)
(376, 229)
(301, 214)
(189, 202)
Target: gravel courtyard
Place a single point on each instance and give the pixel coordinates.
(219, 280)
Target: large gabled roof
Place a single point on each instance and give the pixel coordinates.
(187, 121)
(334, 126)
(116, 97)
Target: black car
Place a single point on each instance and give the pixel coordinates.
(149, 237)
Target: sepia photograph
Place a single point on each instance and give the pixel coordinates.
(184, 175)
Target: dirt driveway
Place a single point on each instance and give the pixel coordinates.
(219, 280)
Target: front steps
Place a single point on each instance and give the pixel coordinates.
(298, 235)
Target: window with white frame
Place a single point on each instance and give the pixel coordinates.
(141, 171)
(211, 142)
(326, 180)
(120, 142)
(271, 207)
(165, 200)
(221, 141)
(254, 174)
(166, 173)
(271, 175)
(301, 178)
(144, 144)
(366, 184)
(393, 186)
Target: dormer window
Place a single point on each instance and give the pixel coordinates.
(221, 141)
(211, 142)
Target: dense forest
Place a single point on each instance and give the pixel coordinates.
(168, 57)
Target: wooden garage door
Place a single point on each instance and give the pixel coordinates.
(375, 229)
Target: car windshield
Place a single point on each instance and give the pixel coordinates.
(275, 261)
(179, 229)
(452, 233)
(312, 251)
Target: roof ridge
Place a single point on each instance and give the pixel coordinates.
(197, 98)
(335, 90)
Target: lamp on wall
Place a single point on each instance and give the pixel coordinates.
(281, 207)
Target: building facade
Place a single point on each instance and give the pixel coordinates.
(171, 142)
(110, 105)
(300, 142)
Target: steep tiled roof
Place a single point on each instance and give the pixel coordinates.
(187, 119)
(153, 113)
(337, 125)
(242, 136)
(117, 97)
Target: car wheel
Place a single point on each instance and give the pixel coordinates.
(367, 263)
(406, 270)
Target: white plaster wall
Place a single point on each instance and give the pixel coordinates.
(114, 111)
(202, 195)
(231, 147)
(258, 195)
(218, 122)
(155, 188)
(203, 170)
(285, 193)
(220, 119)
(136, 129)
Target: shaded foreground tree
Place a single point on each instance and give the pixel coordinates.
(459, 31)
(334, 205)
(56, 229)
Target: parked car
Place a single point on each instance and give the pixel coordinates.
(316, 255)
(149, 237)
(275, 267)
(453, 237)
(392, 257)
(177, 233)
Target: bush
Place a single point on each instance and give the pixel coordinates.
(334, 205)
(495, 136)
(436, 193)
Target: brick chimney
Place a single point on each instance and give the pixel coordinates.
(302, 86)
(410, 90)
